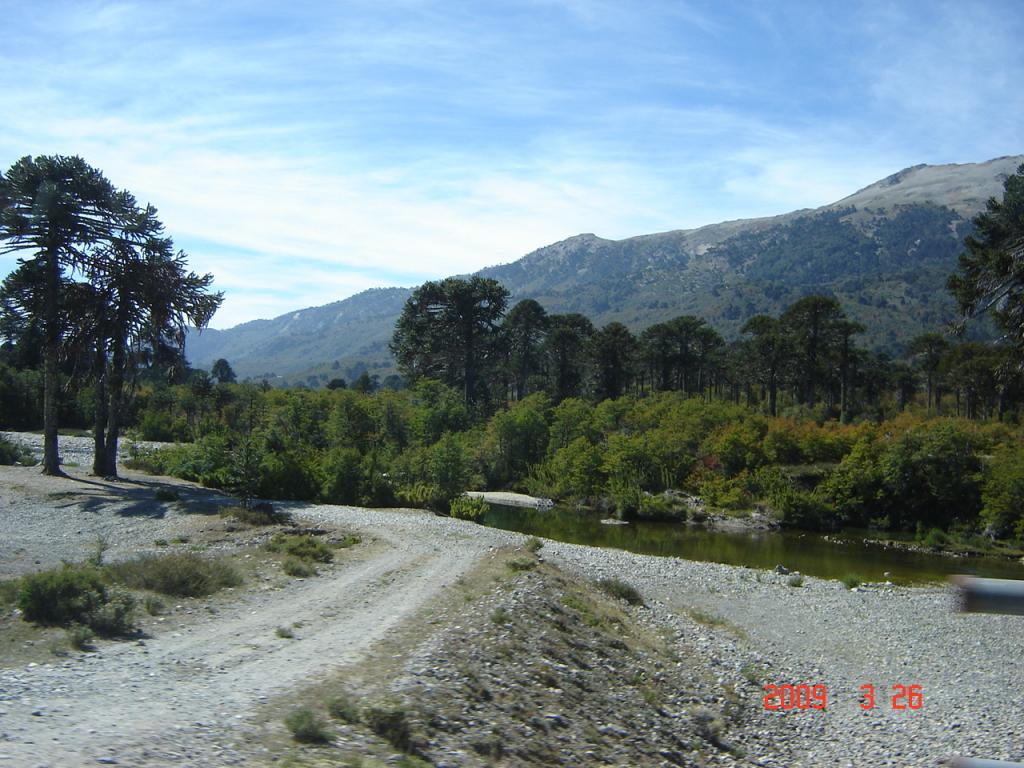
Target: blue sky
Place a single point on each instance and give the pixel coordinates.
(304, 151)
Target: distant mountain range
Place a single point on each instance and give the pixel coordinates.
(885, 252)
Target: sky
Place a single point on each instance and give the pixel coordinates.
(304, 151)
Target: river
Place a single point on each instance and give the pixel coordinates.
(808, 553)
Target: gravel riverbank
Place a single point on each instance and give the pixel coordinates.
(745, 623)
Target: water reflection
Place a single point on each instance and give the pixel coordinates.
(805, 552)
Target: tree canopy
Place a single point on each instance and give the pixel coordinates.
(101, 282)
(447, 331)
(990, 277)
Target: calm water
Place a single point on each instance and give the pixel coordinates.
(804, 552)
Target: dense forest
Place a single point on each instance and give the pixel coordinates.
(794, 418)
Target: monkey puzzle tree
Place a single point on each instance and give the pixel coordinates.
(523, 332)
(104, 282)
(447, 331)
(55, 208)
(149, 299)
(990, 277)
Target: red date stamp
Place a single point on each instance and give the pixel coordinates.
(786, 697)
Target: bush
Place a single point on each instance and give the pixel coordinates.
(1002, 494)
(621, 590)
(262, 513)
(850, 581)
(300, 569)
(14, 454)
(520, 564)
(501, 615)
(340, 707)
(468, 508)
(114, 618)
(534, 544)
(285, 633)
(75, 595)
(307, 727)
(180, 574)
(80, 637)
(391, 725)
(935, 539)
(61, 597)
(303, 547)
(166, 494)
(660, 507)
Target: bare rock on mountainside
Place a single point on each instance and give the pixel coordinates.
(885, 252)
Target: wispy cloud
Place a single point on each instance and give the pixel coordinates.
(304, 152)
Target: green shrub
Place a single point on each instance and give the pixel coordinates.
(534, 544)
(307, 727)
(851, 580)
(935, 539)
(61, 597)
(1002, 493)
(76, 595)
(153, 605)
(621, 590)
(500, 615)
(340, 707)
(166, 494)
(11, 453)
(115, 617)
(256, 514)
(392, 725)
(182, 574)
(80, 637)
(468, 508)
(303, 546)
(659, 507)
(423, 496)
(522, 564)
(298, 568)
(285, 633)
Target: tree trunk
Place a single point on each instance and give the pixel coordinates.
(100, 419)
(51, 348)
(115, 390)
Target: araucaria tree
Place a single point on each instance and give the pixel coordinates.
(131, 291)
(991, 271)
(448, 330)
(57, 209)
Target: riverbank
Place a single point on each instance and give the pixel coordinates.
(481, 643)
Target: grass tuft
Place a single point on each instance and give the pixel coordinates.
(181, 574)
(340, 707)
(304, 547)
(306, 727)
(300, 569)
(621, 590)
(851, 580)
(258, 514)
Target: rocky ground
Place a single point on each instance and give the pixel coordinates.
(456, 645)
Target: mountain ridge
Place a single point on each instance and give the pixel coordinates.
(883, 251)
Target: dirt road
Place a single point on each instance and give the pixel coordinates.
(187, 697)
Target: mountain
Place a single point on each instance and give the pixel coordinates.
(885, 252)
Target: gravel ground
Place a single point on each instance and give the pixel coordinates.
(822, 633)
(187, 698)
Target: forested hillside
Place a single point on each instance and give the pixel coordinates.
(884, 252)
